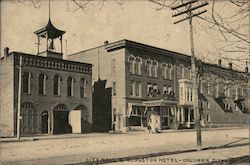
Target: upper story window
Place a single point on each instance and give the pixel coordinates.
(182, 71)
(69, 86)
(56, 85)
(26, 82)
(135, 88)
(82, 88)
(42, 84)
(135, 65)
(113, 65)
(152, 68)
(227, 90)
(114, 88)
(167, 71)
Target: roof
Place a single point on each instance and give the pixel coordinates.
(51, 30)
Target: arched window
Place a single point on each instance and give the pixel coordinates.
(134, 64)
(149, 68)
(56, 84)
(131, 60)
(164, 70)
(70, 86)
(41, 83)
(26, 82)
(137, 65)
(170, 71)
(82, 88)
(155, 69)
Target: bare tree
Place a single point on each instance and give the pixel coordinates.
(233, 26)
(73, 5)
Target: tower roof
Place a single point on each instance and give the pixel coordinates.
(51, 30)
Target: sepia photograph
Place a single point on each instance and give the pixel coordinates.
(124, 82)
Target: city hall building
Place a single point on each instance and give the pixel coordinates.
(55, 94)
(132, 81)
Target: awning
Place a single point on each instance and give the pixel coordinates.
(160, 102)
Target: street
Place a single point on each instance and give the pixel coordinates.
(106, 146)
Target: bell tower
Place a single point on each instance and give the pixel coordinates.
(49, 40)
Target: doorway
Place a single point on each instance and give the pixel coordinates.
(61, 122)
(44, 118)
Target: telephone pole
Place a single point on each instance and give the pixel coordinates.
(187, 7)
(19, 99)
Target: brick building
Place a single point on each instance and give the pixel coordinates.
(147, 80)
(56, 95)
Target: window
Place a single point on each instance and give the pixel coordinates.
(41, 86)
(136, 111)
(170, 70)
(155, 69)
(201, 86)
(167, 71)
(138, 62)
(208, 105)
(152, 68)
(26, 82)
(135, 65)
(131, 60)
(149, 68)
(137, 88)
(114, 88)
(209, 88)
(56, 84)
(113, 65)
(131, 88)
(190, 74)
(70, 86)
(82, 88)
(208, 117)
(182, 71)
(181, 94)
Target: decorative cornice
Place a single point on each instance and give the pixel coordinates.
(53, 63)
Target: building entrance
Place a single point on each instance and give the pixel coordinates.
(44, 118)
(61, 120)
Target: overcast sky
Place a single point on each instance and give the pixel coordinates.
(135, 20)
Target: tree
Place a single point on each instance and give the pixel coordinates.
(233, 26)
(73, 5)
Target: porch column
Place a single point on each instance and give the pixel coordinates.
(182, 115)
(52, 122)
(178, 114)
(141, 117)
(188, 125)
(49, 118)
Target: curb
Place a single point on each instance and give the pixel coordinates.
(36, 138)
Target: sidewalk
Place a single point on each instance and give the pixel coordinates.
(65, 136)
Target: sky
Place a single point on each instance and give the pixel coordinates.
(133, 20)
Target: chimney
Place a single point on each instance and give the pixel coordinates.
(6, 52)
(230, 65)
(219, 62)
(246, 69)
(106, 42)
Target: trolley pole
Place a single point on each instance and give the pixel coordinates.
(186, 8)
(19, 99)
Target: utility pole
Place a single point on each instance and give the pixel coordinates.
(19, 99)
(187, 7)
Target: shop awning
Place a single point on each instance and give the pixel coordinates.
(241, 105)
(160, 102)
